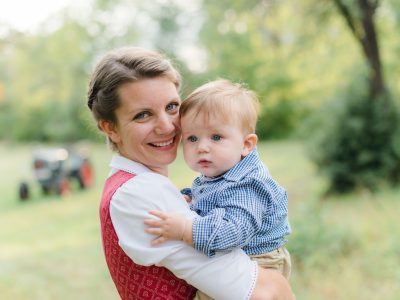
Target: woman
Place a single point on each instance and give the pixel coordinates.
(133, 95)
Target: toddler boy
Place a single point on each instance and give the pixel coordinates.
(238, 202)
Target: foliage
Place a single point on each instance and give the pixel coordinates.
(357, 145)
(46, 85)
(282, 50)
(250, 48)
(359, 149)
(293, 55)
(279, 120)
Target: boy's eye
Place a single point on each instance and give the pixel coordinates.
(216, 137)
(192, 139)
(172, 106)
(142, 115)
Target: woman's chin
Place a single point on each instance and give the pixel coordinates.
(165, 157)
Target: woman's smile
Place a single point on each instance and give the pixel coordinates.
(163, 144)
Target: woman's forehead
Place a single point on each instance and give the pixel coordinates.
(146, 92)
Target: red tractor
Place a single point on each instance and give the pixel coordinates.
(56, 168)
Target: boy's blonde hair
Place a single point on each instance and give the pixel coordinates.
(223, 99)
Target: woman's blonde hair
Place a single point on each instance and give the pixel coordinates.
(223, 99)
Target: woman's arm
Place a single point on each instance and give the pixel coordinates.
(271, 285)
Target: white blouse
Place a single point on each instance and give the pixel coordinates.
(228, 275)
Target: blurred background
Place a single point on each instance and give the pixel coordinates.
(328, 78)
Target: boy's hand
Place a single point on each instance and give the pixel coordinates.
(169, 227)
(187, 198)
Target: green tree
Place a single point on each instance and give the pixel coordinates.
(46, 74)
(282, 51)
(361, 148)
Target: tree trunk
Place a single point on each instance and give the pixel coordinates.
(369, 43)
(364, 31)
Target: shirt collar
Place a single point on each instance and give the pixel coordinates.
(242, 168)
(122, 163)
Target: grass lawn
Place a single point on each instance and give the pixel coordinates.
(342, 247)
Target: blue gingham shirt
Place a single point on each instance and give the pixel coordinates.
(243, 208)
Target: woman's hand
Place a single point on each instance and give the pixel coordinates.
(169, 226)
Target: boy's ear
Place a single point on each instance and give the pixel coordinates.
(110, 130)
(250, 142)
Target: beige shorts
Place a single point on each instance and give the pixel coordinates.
(278, 259)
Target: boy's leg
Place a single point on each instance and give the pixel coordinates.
(201, 296)
(278, 259)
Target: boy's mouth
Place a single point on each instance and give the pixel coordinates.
(204, 163)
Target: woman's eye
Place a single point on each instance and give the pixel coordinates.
(192, 139)
(173, 106)
(142, 115)
(216, 137)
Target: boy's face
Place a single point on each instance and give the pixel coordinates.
(212, 146)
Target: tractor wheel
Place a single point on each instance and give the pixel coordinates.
(23, 191)
(85, 175)
(64, 187)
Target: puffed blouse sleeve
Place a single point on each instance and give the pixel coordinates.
(228, 275)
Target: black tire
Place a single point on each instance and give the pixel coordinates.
(23, 191)
(85, 175)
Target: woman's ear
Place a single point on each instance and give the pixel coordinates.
(250, 142)
(110, 130)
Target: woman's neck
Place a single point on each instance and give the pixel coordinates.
(162, 171)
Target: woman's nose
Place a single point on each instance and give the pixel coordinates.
(165, 124)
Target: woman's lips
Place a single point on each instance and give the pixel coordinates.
(162, 144)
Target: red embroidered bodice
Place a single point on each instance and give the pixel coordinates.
(134, 281)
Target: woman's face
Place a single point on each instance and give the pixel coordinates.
(148, 129)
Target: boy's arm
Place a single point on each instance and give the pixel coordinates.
(169, 226)
(238, 217)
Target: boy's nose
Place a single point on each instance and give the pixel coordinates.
(203, 146)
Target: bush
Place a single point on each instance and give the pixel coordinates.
(55, 122)
(358, 143)
(279, 120)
